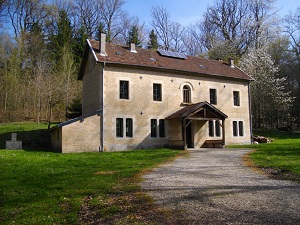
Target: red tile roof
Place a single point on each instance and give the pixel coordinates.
(117, 54)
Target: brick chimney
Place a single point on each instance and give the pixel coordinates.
(102, 44)
(132, 48)
(231, 62)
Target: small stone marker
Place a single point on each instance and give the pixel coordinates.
(14, 144)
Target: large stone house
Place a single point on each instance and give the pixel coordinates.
(141, 98)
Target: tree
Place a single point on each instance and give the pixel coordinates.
(2, 7)
(292, 30)
(232, 26)
(133, 36)
(177, 33)
(80, 38)
(62, 35)
(269, 96)
(25, 13)
(193, 41)
(161, 23)
(89, 13)
(75, 109)
(152, 43)
(113, 17)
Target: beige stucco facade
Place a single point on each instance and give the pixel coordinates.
(82, 135)
(141, 107)
(101, 92)
(101, 86)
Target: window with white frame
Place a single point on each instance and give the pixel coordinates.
(236, 98)
(214, 128)
(124, 89)
(213, 96)
(186, 94)
(238, 128)
(120, 127)
(157, 127)
(157, 92)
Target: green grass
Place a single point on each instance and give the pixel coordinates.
(49, 188)
(33, 136)
(40, 187)
(283, 154)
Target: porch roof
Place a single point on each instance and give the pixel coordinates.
(200, 111)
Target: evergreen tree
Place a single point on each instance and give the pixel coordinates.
(152, 44)
(133, 36)
(80, 40)
(75, 109)
(62, 36)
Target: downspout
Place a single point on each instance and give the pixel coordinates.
(101, 99)
(250, 113)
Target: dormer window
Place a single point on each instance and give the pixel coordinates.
(186, 94)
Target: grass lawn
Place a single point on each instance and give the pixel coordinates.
(40, 187)
(282, 155)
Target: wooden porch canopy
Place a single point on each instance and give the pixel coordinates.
(199, 111)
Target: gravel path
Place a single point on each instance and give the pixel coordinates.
(214, 186)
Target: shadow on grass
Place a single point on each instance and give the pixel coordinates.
(34, 140)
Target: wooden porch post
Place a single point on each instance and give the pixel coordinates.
(223, 132)
(184, 133)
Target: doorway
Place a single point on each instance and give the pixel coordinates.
(189, 134)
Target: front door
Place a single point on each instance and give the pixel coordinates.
(189, 134)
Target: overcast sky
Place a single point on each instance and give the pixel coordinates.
(187, 12)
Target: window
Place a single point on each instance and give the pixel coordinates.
(129, 130)
(211, 128)
(124, 89)
(128, 127)
(213, 96)
(153, 128)
(238, 128)
(157, 92)
(218, 128)
(236, 98)
(214, 128)
(119, 127)
(186, 94)
(241, 128)
(162, 128)
(234, 124)
(158, 128)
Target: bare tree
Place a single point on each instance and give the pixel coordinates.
(2, 7)
(113, 18)
(89, 13)
(177, 33)
(25, 13)
(161, 23)
(193, 41)
(238, 24)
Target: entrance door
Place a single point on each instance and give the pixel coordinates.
(189, 135)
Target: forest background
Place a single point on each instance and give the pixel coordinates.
(41, 53)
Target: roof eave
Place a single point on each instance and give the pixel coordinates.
(88, 47)
(173, 70)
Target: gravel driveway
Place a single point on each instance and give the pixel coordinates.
(214, 186)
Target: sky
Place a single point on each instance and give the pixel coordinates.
(188, 12)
